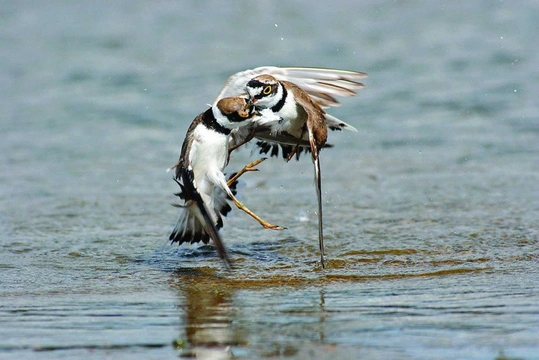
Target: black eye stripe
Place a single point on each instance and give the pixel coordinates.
(255, 83)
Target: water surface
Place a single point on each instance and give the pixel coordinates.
(431, 209)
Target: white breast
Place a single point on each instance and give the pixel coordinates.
(208, 156)
(291, 122)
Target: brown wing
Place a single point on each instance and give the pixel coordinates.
(323, 85)
(316, 125)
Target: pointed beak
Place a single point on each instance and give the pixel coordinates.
(251, 101)
(252, 106)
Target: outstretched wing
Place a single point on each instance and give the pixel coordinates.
(323, 85)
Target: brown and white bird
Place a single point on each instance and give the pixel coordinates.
(297, 96)
(199, 173)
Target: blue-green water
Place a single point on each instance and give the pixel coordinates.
(431, 209)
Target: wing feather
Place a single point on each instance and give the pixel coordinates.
(322, 84)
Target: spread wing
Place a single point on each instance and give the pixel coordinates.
(322, 85)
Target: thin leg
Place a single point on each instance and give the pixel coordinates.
(296, 148)
(246, 168)
(315, 153)
(293, 152)
(318, 184)
(261, 221)
(239, 205)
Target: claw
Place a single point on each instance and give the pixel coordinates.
(246, 168)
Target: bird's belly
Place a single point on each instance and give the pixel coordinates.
(293, 127)
(292, 120)
(209, 155)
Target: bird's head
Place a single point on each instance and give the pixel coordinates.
(262, 90)
(233, 112)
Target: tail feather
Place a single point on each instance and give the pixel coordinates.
(188, 229)
(336, 124)
(196, 223)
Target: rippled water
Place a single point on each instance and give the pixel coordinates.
(431, 209)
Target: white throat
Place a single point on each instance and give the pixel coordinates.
(225, 122)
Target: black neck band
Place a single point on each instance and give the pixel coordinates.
(211, 123)
(281, 102)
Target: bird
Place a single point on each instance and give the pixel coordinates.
(297, 96)
(199, 173)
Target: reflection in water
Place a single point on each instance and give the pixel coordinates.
(208, 315)
(271, 309)
(223, 319)
(322, 317)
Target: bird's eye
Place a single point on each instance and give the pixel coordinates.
(267, 90)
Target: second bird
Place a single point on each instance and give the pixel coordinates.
(301, 121)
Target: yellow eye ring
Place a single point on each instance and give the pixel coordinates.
(267, 90)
